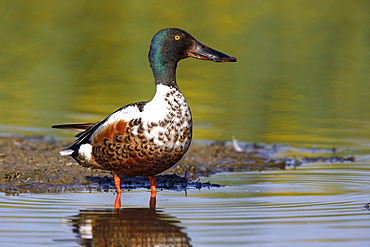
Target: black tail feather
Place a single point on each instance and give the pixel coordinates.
(79, 127)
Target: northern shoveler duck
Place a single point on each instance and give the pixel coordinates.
(145, 138)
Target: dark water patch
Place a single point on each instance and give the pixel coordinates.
(165, 181)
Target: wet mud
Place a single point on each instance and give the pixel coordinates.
(34, 165)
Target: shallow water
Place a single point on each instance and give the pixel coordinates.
(314, 204)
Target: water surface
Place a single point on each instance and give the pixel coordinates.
(315, 204)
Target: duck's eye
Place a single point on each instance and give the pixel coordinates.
(177, 37)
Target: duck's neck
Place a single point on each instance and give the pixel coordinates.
(164, 70)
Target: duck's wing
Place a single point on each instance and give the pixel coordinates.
(88, 129)
(79, 127)
(82, 137)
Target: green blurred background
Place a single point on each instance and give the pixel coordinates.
(302, 75)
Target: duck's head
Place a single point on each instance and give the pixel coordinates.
(170, 45)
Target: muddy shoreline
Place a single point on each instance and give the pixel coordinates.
(33, 165)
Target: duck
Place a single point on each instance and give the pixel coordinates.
(145, 138)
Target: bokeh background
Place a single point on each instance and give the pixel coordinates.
(302, 76)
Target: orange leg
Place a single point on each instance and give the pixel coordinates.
(153, 188)
(117, 182)
(152, 202)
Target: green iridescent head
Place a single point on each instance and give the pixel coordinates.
(170, 45)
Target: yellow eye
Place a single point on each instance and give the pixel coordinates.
(177, 37)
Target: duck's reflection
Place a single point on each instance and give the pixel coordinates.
(128, 227)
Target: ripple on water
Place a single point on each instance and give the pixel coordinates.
(313, 204)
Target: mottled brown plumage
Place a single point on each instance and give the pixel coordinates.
(118, 150)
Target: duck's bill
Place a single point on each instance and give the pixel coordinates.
(203, 52)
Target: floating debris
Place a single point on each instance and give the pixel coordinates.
(236, 146)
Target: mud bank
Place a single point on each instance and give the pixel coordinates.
(34, 165)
